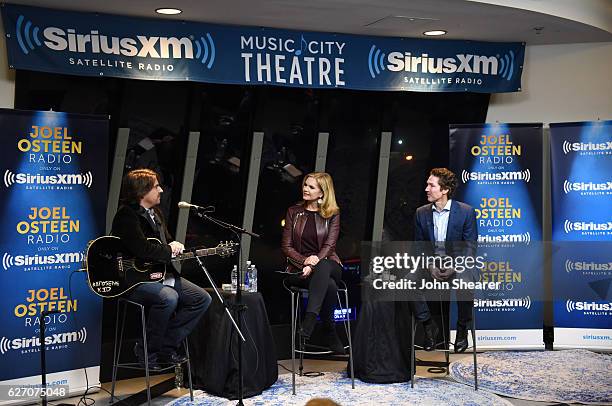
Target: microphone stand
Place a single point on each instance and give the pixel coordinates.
(238, 307)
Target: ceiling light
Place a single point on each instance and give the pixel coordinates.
(434, 33)
(168, 11)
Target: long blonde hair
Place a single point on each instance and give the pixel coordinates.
(329, 207)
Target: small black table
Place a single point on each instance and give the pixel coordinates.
(213, 347)
(382, 342)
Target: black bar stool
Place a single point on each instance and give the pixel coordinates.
(296, 294)
(122, 304)
(446, 348)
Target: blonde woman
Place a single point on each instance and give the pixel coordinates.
(309, 243)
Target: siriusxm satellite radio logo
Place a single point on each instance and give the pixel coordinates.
(571, 266)
(25, 343)
(402, 61)
(572, 306)
(505, 176)
(62, 179)
(587, 227)
(95, 41)
(524, 238)
(9, 261)
(522, 302)
(587, 188)
(587, 148)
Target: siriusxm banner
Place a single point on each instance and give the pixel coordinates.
(581, 163)
(499, 167)
(128, 47)
(54, 169)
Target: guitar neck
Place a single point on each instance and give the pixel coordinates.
(204, 252)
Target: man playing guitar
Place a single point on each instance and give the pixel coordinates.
(176, 305)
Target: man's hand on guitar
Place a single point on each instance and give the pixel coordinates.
(177, 248)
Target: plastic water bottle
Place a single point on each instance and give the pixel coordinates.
(245, 285)
(247, 280)
(249, 275)
(234, 278)
(253, 278)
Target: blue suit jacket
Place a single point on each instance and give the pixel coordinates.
(462, 226)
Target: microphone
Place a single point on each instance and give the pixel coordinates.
(207, 209)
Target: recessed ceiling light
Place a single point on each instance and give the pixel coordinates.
(434, 33)
(168, 11)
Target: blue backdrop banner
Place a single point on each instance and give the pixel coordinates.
(54, 176)
(581, 163)
(500, 171)
(106, 45)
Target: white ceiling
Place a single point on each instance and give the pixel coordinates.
(532, 21)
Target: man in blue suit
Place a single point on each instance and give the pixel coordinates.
(450, 226)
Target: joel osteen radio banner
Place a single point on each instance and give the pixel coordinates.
(54, 181)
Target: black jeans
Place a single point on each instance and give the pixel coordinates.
(173, 312)
(322, 287)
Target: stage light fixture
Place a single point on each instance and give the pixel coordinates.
(434, 33)
(168, 11)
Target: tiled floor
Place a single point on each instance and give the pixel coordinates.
(129, 386)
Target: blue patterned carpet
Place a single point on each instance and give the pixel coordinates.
(571, 376)
(337, 387)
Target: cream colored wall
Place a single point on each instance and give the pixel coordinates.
(561, 83)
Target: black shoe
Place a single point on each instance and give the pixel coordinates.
(308, 325)
(153, 361)
(331, 338)
(171, 358)
(461, 339)
(431, 335)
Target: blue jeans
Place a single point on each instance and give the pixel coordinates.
(173, 312)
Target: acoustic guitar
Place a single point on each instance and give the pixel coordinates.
(112, 270)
